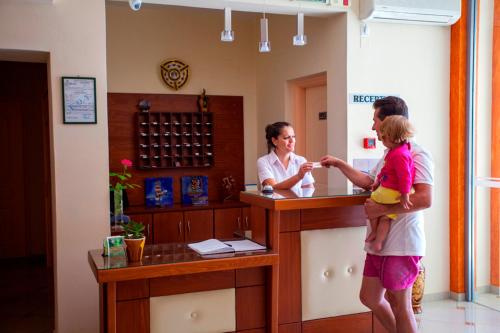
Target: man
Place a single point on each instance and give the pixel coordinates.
(392, 271)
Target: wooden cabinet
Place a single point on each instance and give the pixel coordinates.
(227, 223)
(199, 225)
(147, 220)
(178, 227)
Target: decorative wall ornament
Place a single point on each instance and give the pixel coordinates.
(174, 73)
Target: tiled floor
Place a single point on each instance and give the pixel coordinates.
(489, 300)
(458, 317)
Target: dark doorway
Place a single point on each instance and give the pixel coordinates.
(26, 268)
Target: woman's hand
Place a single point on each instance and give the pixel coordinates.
(304, 168)
(329, 160)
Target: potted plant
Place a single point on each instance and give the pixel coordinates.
(135, 240)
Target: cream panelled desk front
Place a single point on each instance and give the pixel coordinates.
(320, 239)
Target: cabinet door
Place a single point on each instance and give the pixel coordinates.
(198, 225)
(147, 220)
(246, 218)
(169, 228)
(227, 222)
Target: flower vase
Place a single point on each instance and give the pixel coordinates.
(118, 209)
(418, 290)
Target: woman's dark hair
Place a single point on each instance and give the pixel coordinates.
(390, 106)
(273, 131)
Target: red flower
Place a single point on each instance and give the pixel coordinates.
(127, 163)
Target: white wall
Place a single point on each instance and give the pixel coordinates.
(413, 62)
(73, 33)
(138, 42)
(483, 145)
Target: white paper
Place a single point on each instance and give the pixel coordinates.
(211, 246)
(245, 245)
(317, 165)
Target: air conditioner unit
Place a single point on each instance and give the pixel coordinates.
(437, 12)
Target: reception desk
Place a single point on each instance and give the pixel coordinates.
(320, 243)
(306, 281)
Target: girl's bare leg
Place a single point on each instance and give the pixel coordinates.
(384, 225)
(373, 234)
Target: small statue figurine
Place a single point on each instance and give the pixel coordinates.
(203, 102)
(144, 105)
(228, 187)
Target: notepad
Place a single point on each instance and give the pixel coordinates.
(215, 246)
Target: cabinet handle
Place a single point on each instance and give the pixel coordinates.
(239, 223)
(148, 230)
(180, 227)
(189, 226)
(246, 222)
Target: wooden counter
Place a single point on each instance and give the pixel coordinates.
(268, 283)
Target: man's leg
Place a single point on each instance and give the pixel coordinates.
(372, 296)
(400, 301)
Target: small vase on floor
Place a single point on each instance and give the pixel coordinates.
(418, 290)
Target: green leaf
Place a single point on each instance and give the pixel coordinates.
(113, 174)
(122, 177)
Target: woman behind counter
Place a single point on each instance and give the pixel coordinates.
(281, 168)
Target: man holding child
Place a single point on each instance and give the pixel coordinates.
(392, 266)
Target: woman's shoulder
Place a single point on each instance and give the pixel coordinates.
(263, 159)
(299, 159)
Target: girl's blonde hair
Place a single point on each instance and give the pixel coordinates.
(396, 129)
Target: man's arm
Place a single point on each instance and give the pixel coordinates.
(357, 177)
(421, 199)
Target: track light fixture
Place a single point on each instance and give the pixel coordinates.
(300, 39)
(135, 4)
(264, 44)
(227, 35)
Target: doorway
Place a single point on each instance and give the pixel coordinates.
(308, 96)
(26, 264)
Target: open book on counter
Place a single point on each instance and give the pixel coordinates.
(214, 246)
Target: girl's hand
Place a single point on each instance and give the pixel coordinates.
(328, 161)
(304, 168)
(405, 201)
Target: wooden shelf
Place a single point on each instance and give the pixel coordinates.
(175, 140)
(179, 207)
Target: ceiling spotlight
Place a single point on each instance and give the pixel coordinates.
(300, 39)
(227, 35)
(135, 4)
(264, 44)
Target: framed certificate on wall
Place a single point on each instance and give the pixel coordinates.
(79, 100)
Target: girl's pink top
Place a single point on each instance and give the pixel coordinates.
(398, 171)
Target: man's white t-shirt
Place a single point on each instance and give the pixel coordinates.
(269, 166)
(406, 236)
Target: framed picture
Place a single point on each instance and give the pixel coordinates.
(159, 191)
(194, 190)
(79, 100)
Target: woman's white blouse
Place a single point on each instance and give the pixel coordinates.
(269, 166)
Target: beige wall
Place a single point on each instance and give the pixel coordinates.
(483, 144)
(73, 33)
(412, 61)
(138, 42)
(325, 52)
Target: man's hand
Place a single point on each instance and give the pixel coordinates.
(421, 199)
(374, 210)
(328, 161)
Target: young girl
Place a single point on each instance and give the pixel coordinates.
(394, 182)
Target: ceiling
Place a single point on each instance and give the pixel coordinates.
(287, 7)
